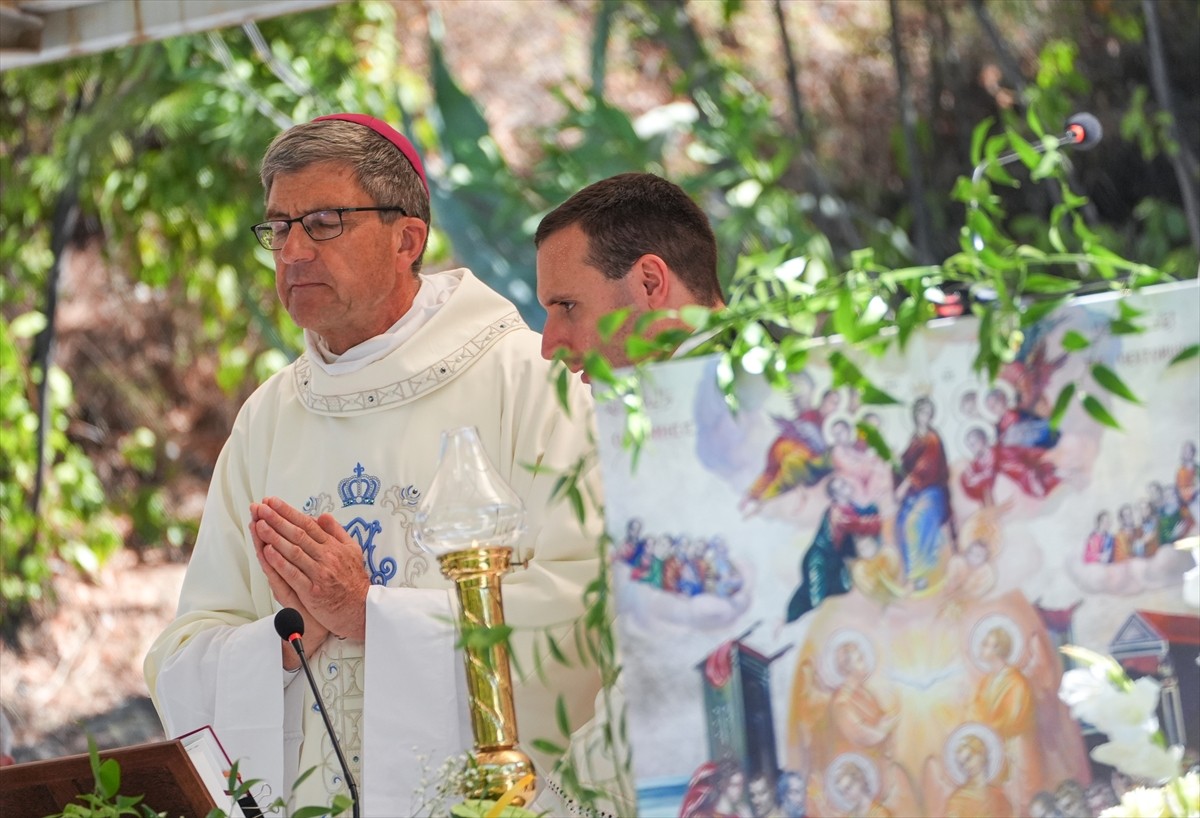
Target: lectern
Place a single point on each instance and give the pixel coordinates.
(160, 771)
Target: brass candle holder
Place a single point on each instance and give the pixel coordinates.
(470, 519)
(476, 574)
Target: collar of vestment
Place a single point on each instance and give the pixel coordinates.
(470, 321)
(434, 290)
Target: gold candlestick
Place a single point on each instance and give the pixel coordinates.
(470, 519)
(476, 574)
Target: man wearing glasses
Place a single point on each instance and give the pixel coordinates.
(313, 497)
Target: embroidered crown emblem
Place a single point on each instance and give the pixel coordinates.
(359, 490)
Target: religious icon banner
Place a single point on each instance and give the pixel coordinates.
(808, 627)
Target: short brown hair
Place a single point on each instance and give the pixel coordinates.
(379, 167)
(632, 214)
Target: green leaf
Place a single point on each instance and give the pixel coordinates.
(1096, 409)
(1185, 354)
(1040, 309)
(608, 324)
(844, 317)
(341, 803)
(548, 747)
(598, 368)
(1060, 405)
(1119, 326)
(694, 316)
(310, 812)
(28, 324)
(639, 349)
(1023, 149)
(109, 779)
(1044, 283)
(874, 439)
(1128, 311)
(556, 651)
(977, 138)
(1110, 381)
(562, 386)
(1073, 341)
(576, 499)
(560, 716)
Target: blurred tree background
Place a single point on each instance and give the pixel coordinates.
(138, 312)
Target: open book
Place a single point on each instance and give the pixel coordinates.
(213, 764)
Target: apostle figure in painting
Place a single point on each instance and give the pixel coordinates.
(979, 476)
(1172, 521)
(1101, 542)
(923, 493)
(1187, 487)
(1128, 534)
(825, 570)
(852, 457)
(312, 499)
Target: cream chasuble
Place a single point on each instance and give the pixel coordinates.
(363, 446)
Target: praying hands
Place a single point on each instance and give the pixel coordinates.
(314, 566)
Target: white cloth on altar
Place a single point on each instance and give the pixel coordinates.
(363, 446)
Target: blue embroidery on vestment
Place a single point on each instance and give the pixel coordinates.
(359, 490)
(364, 532)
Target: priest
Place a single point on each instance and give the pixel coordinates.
(313, 497)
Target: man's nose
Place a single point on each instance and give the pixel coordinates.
(552, 339)
(298, 246)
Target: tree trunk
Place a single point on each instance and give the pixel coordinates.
(813, 174)
(1182, 160)
(908, 119)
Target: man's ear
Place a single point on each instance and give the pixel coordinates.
(654, 282)
(411, 241)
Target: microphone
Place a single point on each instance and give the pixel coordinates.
(289, 624)
(1083, 132)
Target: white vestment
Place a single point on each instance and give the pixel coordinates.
(363, 446)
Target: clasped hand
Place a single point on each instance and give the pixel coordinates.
(314, 566)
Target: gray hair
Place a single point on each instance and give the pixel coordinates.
(379, 167)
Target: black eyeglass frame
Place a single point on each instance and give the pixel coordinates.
(262, 227)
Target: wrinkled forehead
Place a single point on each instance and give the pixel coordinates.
(315, 186)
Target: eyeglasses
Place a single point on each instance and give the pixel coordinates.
(320, 225)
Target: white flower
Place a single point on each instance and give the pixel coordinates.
(1123, 715)
(1083, 686)
(1140, 759)
(1139, 802)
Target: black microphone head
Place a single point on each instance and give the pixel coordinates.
(1084, 131)
(289, 623)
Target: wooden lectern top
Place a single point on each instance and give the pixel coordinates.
(161, 771)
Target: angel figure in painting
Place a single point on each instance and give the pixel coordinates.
(966, 782)
(877, 571)
(835, 710)
(799, 455)
(852, 788)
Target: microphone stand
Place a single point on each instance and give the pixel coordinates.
(1083, 132)
(337, 747)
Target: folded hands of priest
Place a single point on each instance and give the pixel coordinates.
(314, 566)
